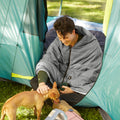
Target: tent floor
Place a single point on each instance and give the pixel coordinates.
(104, 115)
(3, 79)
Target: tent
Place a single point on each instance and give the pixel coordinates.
(22, 32)
(20, 50)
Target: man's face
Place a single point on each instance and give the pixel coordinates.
(68, 39)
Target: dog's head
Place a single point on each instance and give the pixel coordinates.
(54, 93)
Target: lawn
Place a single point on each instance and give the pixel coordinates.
(90, 10)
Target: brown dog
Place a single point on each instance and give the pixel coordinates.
(28, 99)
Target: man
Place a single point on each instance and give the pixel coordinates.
(73, 60)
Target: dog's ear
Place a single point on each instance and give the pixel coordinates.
(54, 85)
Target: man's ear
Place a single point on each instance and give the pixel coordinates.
(54, 85)
(73, 32)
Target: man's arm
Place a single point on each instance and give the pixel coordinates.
(42, 80)
(50, 62)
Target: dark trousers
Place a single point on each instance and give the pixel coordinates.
(72, 98)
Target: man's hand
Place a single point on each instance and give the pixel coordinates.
(42, 88)
(66, 90)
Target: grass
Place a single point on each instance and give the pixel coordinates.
(8, 89)
(89, 10)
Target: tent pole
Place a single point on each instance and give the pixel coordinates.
(60, 8)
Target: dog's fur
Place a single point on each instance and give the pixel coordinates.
(30, 99)
(63, 105)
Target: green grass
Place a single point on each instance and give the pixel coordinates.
(89, 10)
(8, 89)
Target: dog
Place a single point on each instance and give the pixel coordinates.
(29, 99)
(64, 106)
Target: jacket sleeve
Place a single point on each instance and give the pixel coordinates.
(42, 76)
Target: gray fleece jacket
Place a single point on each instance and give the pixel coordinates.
(78, 66)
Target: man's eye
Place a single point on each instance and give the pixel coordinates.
(60, 38)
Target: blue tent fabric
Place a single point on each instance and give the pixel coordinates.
(22, 32)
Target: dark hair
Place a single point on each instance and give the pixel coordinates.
(64, 25)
